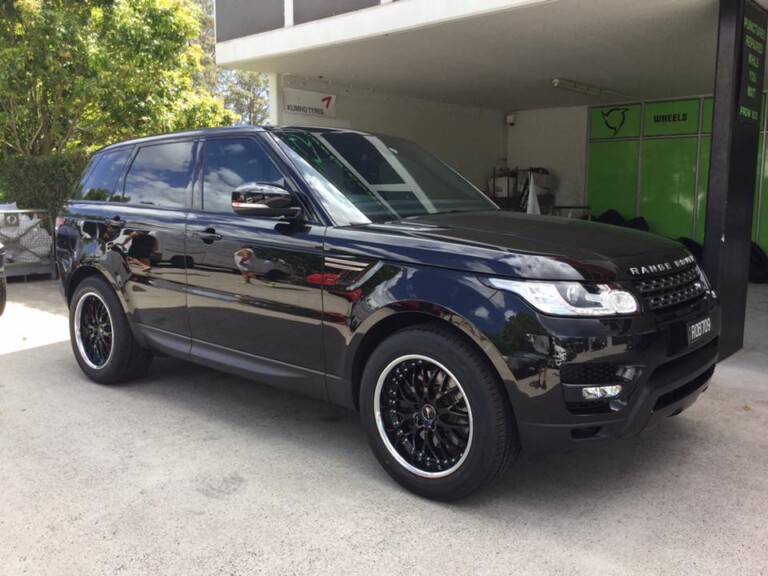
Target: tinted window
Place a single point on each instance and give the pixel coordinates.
(385, 178)
(102, 178)
(160, 175)
(363, 157)
(230, 163)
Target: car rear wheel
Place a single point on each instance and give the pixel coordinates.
(101, 338)
(435, 413)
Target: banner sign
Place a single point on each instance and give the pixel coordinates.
(752, 62)
(310, 103)
(671, 118)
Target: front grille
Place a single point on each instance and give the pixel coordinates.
(671, 290)
(589, 373)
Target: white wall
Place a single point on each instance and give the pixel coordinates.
(469, 139)
(555, 139)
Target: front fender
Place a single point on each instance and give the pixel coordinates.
(398, 295)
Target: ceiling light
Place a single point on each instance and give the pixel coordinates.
(587, 89)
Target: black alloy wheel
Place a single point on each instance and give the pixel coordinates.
(423, 416)
(102, 341)
(436, 413)
(93, 330)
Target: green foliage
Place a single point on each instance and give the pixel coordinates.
(90, 72)
(41, 181)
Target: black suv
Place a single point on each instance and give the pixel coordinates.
(361, 270)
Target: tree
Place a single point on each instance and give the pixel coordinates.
(88, 72)
(244, 93)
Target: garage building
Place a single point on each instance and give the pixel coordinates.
(615, 99)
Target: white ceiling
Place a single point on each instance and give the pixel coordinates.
(648, 49)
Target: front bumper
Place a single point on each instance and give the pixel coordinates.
(668, 374)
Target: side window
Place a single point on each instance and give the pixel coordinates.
(102, 178)
(160, 175)
(230, 163)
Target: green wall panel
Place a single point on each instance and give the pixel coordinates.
(668, 171)
(671, 118)
(613, 177)
(615, 122)
(706, 125)
(761, 234)
(667, 185)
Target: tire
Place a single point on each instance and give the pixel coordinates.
(436, 450)
(101, 338)
(3, 293)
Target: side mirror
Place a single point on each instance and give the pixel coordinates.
(263, 199)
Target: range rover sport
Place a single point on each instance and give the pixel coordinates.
(361, 270)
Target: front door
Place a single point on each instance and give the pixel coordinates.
(253, 293)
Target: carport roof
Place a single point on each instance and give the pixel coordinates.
(504, 58)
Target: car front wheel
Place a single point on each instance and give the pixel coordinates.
(435, 413)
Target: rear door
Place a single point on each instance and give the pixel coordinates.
(152, 206)
(255, 296)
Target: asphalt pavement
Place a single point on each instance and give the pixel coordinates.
(190, 471)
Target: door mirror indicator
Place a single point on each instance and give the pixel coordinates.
(263, 199)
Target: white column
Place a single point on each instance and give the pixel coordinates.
(275, 99)
(288, 6)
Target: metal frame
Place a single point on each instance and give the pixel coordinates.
(16, 269)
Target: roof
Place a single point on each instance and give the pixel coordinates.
(219, 131)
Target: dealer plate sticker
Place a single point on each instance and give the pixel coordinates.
(697, 330)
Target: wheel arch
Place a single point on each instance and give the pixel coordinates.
(88, 271)
(395, 319)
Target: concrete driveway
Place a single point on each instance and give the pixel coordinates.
(194, 472)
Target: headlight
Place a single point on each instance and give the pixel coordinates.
(703, 277)
(571, 298)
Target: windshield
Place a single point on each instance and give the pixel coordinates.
(381, 178)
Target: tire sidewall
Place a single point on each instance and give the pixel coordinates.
(474, 380)
(114, 367)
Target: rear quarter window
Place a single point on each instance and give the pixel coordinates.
(101, 177)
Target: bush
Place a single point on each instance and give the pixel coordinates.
(35, 182)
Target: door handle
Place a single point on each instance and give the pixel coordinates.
(115, 222)
(209, 235)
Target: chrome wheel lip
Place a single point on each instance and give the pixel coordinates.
(78, 329)
(380, 423)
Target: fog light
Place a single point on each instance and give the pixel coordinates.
(600, 392)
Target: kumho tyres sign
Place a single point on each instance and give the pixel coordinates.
(309, 103)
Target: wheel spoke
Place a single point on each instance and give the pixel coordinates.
(427, 422)
(94, 330)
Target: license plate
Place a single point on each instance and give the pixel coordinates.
(698, 329)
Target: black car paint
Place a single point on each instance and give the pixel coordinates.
(342, 288)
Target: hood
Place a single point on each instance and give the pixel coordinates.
(526, 246)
